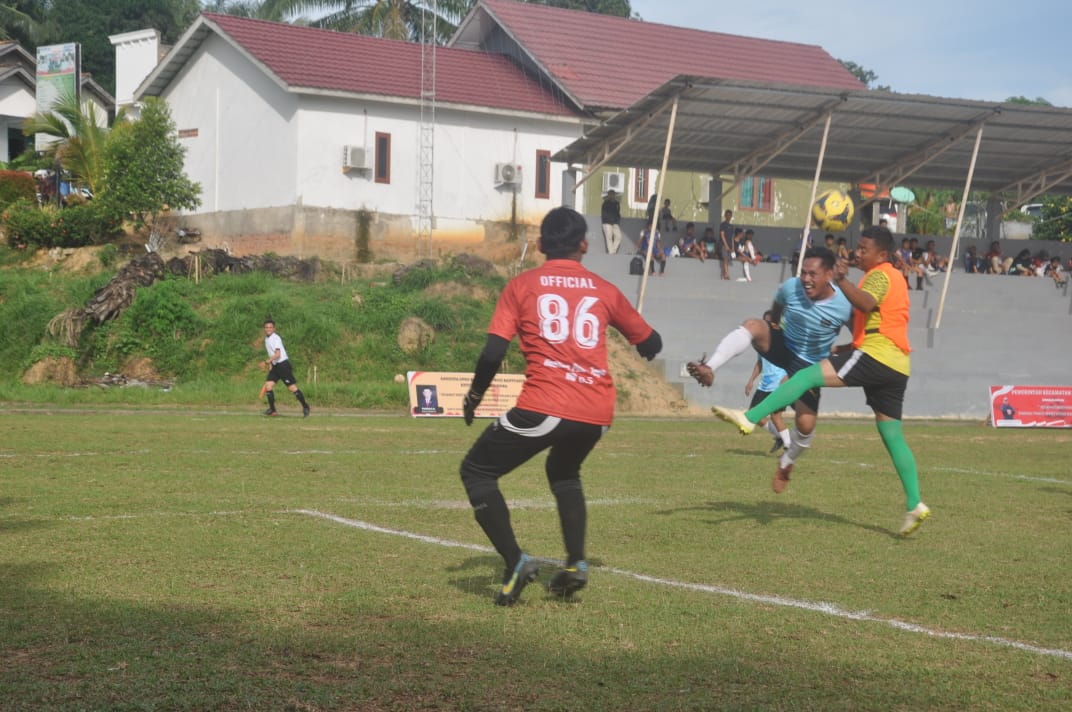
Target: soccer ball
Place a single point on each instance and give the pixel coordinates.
(832, 211)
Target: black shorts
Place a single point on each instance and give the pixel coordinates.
(281, 372)
(517, 435)
(758, 397)
(780, 355)
(884, 387)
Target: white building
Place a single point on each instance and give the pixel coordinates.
(291, 131)
(18, 98)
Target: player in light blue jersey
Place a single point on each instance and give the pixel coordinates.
(809, 311)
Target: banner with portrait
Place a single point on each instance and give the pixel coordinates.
(1031, 406)
(440, 393)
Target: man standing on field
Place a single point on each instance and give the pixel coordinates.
(560, 313)
(279, 370)
(877, 361)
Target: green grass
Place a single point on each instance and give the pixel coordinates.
(155, 560)
(206, 339)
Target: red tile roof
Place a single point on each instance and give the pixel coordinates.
(310, 58)
(611, 62)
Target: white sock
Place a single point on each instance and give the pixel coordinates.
(771, 427)
(797, 445)
(733, 344)
(784, 435)
(748, 271)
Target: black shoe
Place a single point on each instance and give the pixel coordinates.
(778, 445)
(515, 581)
(271, 412)
(569, 580)
(305, 411)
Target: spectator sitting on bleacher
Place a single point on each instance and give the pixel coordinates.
(1021, 264)
(657, 252)
(972, 263)
(688, 245)
(932, 261)
(995, 263)
(1054, 271)
(710, 243)
(909, 257)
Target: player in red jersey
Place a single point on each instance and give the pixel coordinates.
(560, 313)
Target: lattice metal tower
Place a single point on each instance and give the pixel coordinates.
(426, 133)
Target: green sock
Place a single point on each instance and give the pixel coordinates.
(903, 460)
(788, 393)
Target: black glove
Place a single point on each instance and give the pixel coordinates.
(651, 346)
(469, 405)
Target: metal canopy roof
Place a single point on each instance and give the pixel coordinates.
(738, 128)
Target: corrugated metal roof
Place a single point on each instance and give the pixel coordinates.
(751, 128)
(310, 59)
(608, 62)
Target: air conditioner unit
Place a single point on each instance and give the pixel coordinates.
(354, 158)
(705, 189)
(507, 174)
(614, 181)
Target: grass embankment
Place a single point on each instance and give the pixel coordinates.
(207, 338)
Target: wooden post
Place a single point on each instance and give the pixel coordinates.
(658, 202)
(956, 230)
(814, 191)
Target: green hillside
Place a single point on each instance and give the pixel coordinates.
(203, 340)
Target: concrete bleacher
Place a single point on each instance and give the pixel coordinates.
(994, 330)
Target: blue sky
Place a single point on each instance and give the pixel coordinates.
(981, 49)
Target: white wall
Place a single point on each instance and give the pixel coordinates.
(16, 99)
(468, 144)
(136, 54)
(245, 147)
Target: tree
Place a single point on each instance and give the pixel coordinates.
(80, 133)
(619, 8)
(1029, 102)
(866, 76)
(90, 22)
(22, 21)
(143, 167)
(393, 19)
(1056, 220)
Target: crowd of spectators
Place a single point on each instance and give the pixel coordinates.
(1022, 264)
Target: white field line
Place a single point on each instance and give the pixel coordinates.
(961, 471)
(817, 607)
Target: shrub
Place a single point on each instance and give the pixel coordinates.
(16, 185)
(26, 223)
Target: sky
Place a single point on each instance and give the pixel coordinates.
(969, 49)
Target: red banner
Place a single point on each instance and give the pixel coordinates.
(1031, 406)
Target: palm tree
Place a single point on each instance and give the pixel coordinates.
(393, 19)
(80, 132)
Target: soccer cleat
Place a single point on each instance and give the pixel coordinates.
(778, 445)
(736, 417)
(569, 580)
(515, 581)
(271, 412)
(914, 518)
(780, 480)
(305, 411)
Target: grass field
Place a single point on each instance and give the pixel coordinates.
(216, 560)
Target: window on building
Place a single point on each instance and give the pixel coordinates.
(383, 157)
(640, 185)
(756, 193)
(543, 174)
